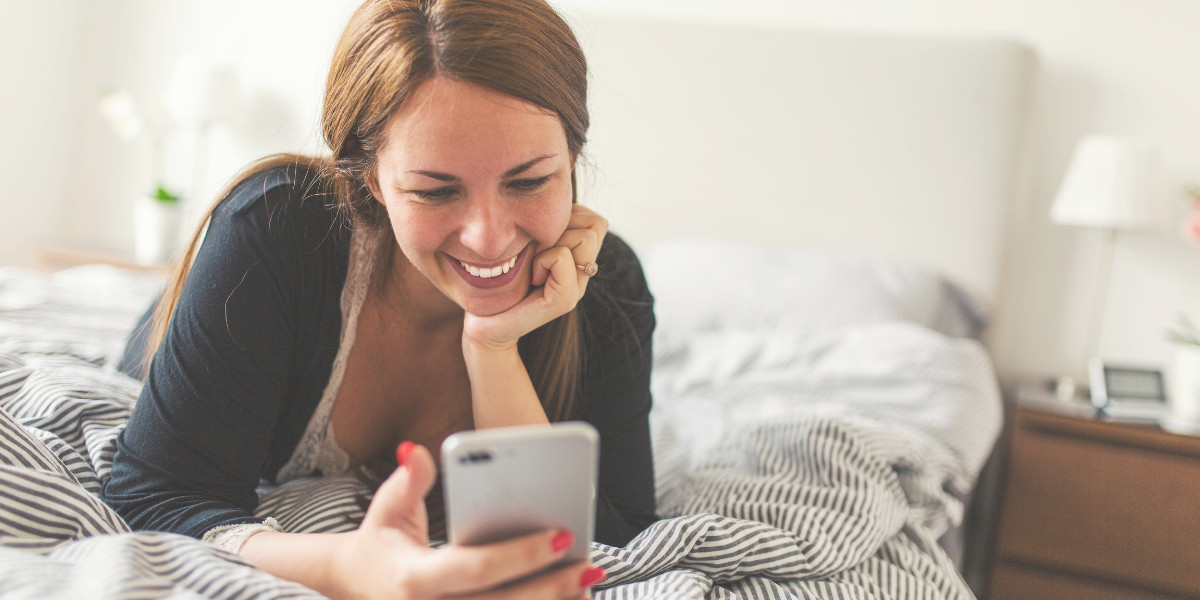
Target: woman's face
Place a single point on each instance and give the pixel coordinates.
(476, 183)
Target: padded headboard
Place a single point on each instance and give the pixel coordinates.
(874, 145)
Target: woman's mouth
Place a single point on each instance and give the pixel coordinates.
(486, 273)
(489, 276)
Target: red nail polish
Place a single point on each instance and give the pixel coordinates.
(402, 451)
(562, 540)
(591, 576)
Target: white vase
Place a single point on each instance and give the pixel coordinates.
(1183, 415)
(156, 227)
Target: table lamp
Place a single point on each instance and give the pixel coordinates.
(1109, 186)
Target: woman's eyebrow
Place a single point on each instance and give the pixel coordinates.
(521, 168)
(435, 175)
(517, 170)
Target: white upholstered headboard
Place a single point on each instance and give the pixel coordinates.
(905, 147)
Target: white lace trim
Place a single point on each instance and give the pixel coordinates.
(231, 537)
(318, 453)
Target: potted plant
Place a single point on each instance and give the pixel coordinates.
(157, 217)
(157, 220)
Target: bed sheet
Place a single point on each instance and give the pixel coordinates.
(789, 466)
(85, 311)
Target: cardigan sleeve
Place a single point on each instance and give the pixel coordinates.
(618, 323)
(229, 381)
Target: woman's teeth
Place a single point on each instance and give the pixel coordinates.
(492, 272)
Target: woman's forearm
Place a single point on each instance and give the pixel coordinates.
(501, 392)
(309, 559)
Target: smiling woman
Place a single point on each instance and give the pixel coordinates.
(344, 314)
(461, 189)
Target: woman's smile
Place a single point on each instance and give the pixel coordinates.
(490, 276)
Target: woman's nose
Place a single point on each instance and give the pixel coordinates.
(489, 229)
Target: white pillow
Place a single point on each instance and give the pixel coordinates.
(713, 286)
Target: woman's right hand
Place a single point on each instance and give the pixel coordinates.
(389, 557)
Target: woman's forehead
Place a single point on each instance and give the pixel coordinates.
(448, 120)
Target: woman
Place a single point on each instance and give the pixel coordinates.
(451, 290)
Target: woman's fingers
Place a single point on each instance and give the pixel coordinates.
(563, 584)
(474, 569)
(583, 238)
(400, 501)
(584, 244)
(541, 268)
(555, 262)
(584, 235)
(562, 281)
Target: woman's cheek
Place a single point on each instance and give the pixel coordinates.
(418, 236)
(553, 220)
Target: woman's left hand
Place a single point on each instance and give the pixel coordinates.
(556, 286)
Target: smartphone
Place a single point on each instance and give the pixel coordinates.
(510, 481)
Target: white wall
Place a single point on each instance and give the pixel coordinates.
(277, 53)
(39, 81)
(1122, 67)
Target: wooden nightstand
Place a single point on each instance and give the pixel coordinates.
(51, 255)
(1096, 509)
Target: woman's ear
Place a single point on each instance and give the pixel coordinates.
(373, 185)
(352, 146)
(371, 179)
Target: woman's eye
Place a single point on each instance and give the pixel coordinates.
(435, 195)
(529, 185)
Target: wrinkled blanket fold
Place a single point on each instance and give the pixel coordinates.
(788, 465)
(771, 486)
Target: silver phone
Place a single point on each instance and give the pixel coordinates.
(509, 481)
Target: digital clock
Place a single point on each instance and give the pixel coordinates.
(1127, 392)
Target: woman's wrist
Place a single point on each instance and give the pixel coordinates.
(486, 354)
(501, 391)
(315, 560)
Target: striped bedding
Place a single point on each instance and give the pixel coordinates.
(789, 466)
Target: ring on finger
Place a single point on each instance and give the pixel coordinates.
(589, 269)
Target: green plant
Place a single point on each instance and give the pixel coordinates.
(1192, 192)
(129, 122)
(1185, 332)
(163, 195)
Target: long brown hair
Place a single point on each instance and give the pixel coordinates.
(521, 48)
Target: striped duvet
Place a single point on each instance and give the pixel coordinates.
(819, 466)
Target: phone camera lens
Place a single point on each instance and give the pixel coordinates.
(476, 457)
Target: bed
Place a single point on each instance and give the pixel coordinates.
(823, 219)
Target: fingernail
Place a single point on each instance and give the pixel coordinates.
(591, 576)
(402, 452)
(562, 540)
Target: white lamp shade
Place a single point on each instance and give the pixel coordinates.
(1109, 185)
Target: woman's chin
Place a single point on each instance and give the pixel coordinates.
(490, 306)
